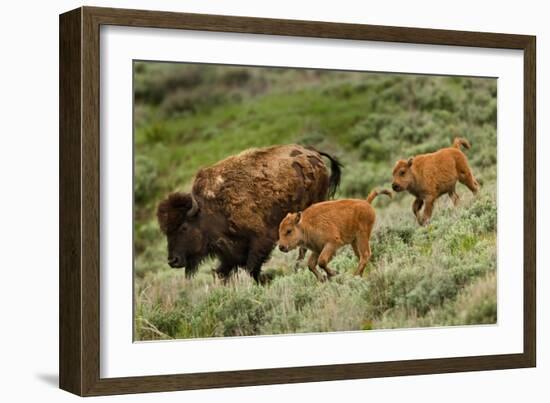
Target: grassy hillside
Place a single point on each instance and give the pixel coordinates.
(189, 116)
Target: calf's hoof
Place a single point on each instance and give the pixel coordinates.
(322, 278)
(296, 266)
(423, 222)
(331, 273)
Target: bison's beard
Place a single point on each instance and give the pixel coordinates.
(192, 266)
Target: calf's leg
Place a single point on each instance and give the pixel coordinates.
(325, 257)
(454, 197)
(301, 255)
(416, 206)
(355, 250)
(312, 264)
(467, 179)
(362, 243)
(428, 209)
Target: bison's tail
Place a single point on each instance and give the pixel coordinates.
(461, 141)
(372, 195)
(335, 174)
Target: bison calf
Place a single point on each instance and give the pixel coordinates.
(325, 227)
(429, 176)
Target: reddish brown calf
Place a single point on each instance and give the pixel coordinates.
(325, 227)
(429, 176)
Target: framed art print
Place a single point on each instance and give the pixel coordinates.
(251, 201)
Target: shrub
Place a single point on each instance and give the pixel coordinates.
(189, 116)
(362, 177)
(235, 77)
(145, 175)
(191, 102)
(152, 81)
(477, 304)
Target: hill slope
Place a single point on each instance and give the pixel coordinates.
(188, 116)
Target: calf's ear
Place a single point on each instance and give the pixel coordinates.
(298, 217)
(410, 161)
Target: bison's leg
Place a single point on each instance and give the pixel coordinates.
(362, 244)
(428, 209)
(325, 257)
(224, 270)
(256, 270)
(467, 179)
(258, 252)
(312, 264)
(416, 206)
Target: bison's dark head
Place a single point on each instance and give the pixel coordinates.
(179, 219)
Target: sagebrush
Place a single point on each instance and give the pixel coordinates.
(189, 116)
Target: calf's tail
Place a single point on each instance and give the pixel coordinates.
(335, 174)
(372, 195)
(461, 141)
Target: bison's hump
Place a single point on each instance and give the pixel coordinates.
(248, 187)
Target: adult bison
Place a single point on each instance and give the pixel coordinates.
(235, 206)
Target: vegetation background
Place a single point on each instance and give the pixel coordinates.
(190, 115)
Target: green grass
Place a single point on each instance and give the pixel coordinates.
(189, 116)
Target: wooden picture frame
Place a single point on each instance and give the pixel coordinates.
(79, 201)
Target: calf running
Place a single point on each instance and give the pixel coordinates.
(325, 227)
(429, 176)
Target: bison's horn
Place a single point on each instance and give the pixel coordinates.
(194, 207)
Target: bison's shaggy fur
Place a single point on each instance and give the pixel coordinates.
(429, 176)
(325, 227)
(235, 206)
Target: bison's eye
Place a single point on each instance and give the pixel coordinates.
(288, 231)
(402, 173)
